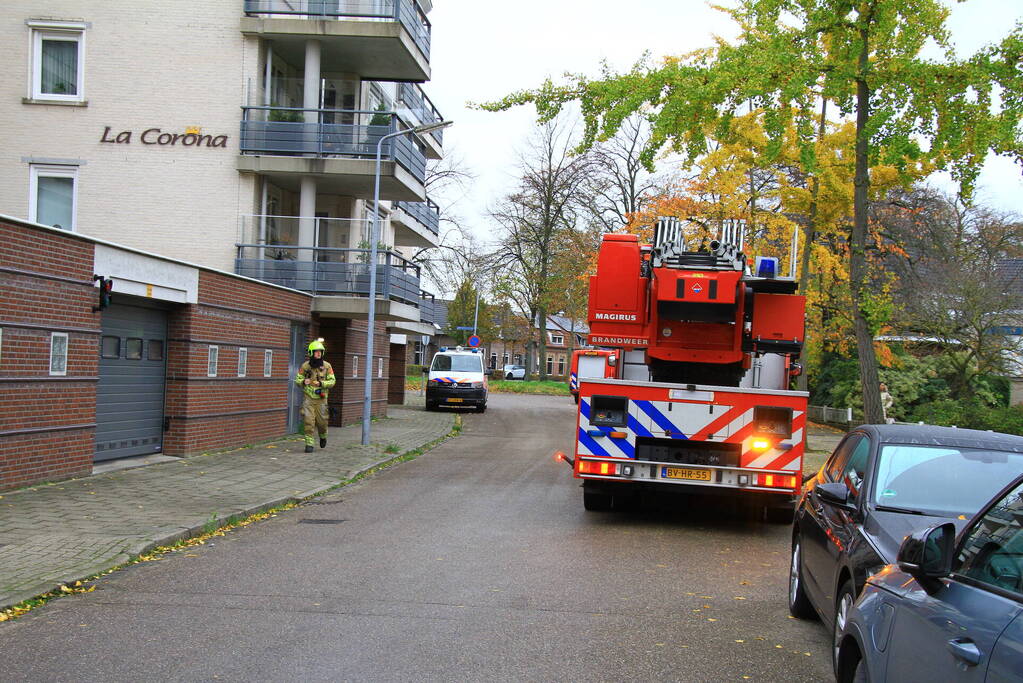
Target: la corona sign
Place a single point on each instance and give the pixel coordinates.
(192, 137)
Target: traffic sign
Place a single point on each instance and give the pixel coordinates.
(474, 341)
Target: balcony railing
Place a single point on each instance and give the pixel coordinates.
(426, 213)
(274, 231)
(412, 96)
(284, 131)
(427, 305)
(330, 272)
(407, 12)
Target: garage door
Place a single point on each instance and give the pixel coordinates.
(132, 371)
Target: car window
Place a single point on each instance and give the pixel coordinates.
(467, 363)
(992, 553)
(836, 464)
(854, 471)
(942, 480)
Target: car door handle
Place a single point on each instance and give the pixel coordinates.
(965, 649)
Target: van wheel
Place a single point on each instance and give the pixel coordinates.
(482, 408)
(594, 500)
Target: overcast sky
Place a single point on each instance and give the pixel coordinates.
(483, 50)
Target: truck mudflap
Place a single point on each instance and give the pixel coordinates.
(722, 437)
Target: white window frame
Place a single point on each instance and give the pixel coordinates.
(561, 365)
(59, 371)
(211, 361)
(557, 338)
(355, 366)
(52, 171)
(243, 360)
(55, 30)
(550, 365)
(268, 363)
(380, 368)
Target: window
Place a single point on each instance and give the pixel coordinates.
(855, 470)
(505, 358)
(561, 365)
(380, 367)
(58, 64)
(133, 349)
(417, 354)
(211, 363)
(268, 363)
(992, 553)
(111, 347)
(58, 353)
(493, 361)
(557, 338)
(243, 359)
(836, 465)
(53, 195)
(355, 366)
(1, 342)
(155, 349)
(550, 365)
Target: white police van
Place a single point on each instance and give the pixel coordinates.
(457, 378)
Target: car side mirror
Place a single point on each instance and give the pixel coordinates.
(927, 554)
(834, 493)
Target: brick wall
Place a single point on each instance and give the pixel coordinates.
(206, 413)
(346, 351)
(47, 422)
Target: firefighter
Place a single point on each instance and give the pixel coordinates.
(316, 377)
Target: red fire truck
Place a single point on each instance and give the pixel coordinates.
(590, 363)
(684, 412)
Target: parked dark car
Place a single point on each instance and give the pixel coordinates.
(950, 610)
(882, 483)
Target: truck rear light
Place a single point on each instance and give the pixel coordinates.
(596, 467)
(777, 481)
(761, 444)
(618, 435)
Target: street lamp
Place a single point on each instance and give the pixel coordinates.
(367, 397)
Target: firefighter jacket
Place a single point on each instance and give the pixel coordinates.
(324, 374)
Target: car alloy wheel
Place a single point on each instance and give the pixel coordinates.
(799, 603)
(842, 606)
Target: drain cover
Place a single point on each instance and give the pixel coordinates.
(320, 521)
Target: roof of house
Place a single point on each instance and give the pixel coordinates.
(562, 323)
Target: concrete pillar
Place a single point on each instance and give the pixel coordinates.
(311, 81)
(307, 217)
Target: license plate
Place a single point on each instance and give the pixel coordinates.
(685, 473)
(455, 400)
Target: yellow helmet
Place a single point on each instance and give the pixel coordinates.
(316, 345)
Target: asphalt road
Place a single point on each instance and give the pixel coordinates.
(475, 561)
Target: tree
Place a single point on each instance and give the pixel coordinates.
(954, 286)
(620, 184)
(861, 55)
(463, 312)
(532, 219)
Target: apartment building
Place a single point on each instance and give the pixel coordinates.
(239, 136)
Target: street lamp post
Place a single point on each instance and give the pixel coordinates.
(367, 397)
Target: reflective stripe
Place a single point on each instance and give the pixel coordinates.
(661, 420)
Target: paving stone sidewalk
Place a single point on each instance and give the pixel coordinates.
(59, 533)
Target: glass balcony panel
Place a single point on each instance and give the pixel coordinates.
(330, 272)
(412, 97)
(427, 213)
(407, 12)
(288, 131)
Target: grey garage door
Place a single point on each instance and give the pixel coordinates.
(132, 371)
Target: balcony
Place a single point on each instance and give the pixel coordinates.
(416, 224)
(384, 40)
(337, 146)
(338, 277)
(412, 99)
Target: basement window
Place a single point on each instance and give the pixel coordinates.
(211, 362)
(268, 362)
(243, 359)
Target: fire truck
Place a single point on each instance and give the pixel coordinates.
(694, 405)
(590, 363)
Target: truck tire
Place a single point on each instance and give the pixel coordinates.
(594, 500)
